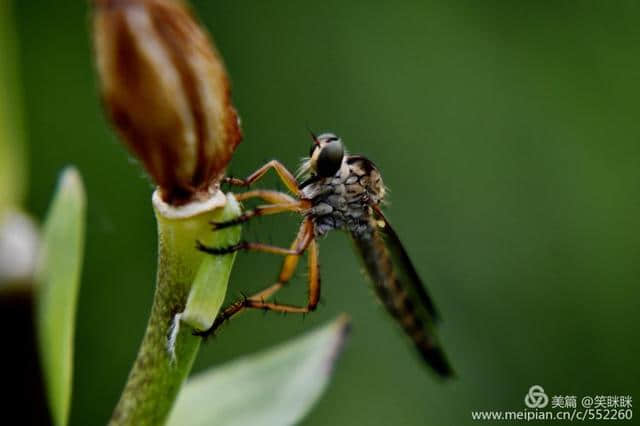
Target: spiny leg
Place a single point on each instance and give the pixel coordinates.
(306, 229)
(314, 290)
(301, 242)
(263, 210)
(247, 246)
(268, 195)
(288, 268)
(285, 175)
(257, 301)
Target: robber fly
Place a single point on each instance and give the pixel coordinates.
(338, 191)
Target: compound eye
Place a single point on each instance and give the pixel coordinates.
(330, 158)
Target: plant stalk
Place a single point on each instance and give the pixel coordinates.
(156, 378)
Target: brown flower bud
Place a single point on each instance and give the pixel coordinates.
(166, 91)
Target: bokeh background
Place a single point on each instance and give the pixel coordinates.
(508, 133)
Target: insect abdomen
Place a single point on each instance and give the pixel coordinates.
(414, 318)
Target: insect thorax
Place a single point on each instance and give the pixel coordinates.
(344, 200)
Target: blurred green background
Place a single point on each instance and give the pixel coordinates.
(508, 133)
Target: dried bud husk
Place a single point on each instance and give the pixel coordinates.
(167, 92)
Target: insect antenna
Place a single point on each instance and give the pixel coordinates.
(313, 135)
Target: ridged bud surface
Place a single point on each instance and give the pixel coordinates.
(166, 91)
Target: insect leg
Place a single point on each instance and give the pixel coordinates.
(270, 196)
(289, 265)
(247, 246)
(285, 175)
(264, 210)
(307, 235)
(302, 240)
(314, 290)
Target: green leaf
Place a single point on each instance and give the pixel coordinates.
(12, 158)
(58, 281)
(276, 387)
(210, 284)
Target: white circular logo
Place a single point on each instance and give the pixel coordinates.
(536, 398)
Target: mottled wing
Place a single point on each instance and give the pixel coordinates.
(404, 266)
(400, 289)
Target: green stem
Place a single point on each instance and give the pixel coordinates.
(155, 378)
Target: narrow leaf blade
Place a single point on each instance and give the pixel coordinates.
(13, 174)
(58, 281)
(210, 284)
(275, 387)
